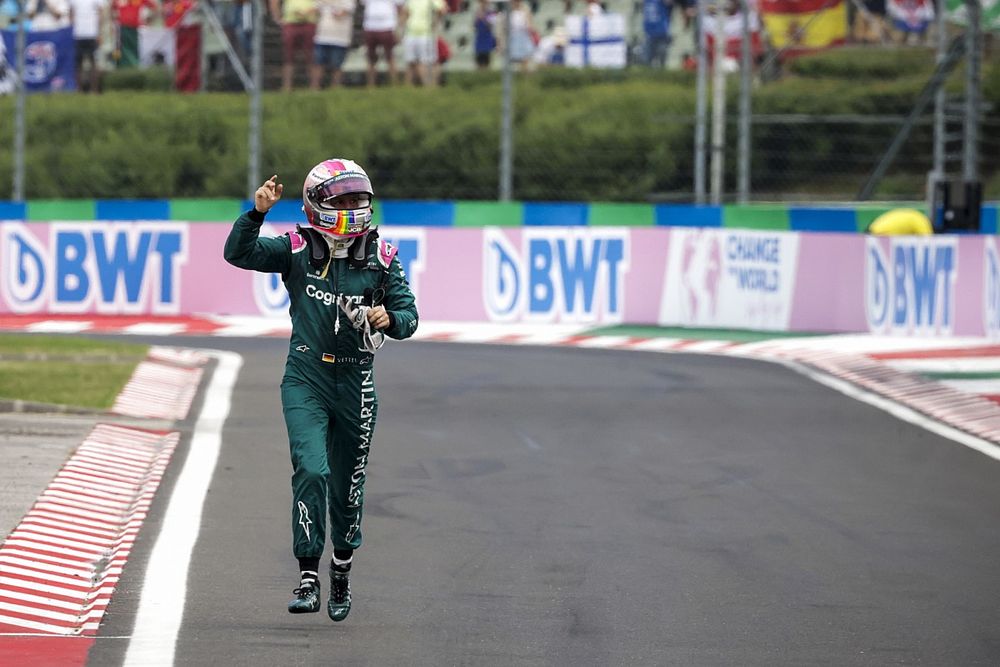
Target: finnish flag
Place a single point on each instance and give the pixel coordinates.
(596, 41)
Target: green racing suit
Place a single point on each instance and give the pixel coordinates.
(328, 390)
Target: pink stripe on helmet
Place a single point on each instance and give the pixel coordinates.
(335, 165)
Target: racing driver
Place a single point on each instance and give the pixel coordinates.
(347, 291)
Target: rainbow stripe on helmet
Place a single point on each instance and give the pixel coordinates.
(328, 180)
(344, 223)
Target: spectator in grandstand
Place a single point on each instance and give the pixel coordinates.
(48, 14)
(419, 44)
(380, 23)
(333, 39)
(868, 24)
(175, 11)
(239, 26)
(656, 31)
(485, 41)
(9, 12)
(87, 18)
(551, 49)
(910, 19)
(522, 43)
(297, 19)
(7, 75)
(127, 16)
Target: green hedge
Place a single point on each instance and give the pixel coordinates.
(592, 135)
(864, 63)
(152, 78)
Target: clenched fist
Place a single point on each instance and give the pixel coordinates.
(268, 194)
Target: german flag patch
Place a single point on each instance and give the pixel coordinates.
(329, 358)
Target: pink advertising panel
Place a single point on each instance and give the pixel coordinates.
(733, 278)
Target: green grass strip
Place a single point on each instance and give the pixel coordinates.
(37, 344)
(956, 375)
(85, 385)
(63, 370)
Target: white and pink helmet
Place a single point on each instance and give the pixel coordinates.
(332, 178)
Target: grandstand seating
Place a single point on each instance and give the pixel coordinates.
(457, 29)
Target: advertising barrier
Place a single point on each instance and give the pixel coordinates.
(677, 276)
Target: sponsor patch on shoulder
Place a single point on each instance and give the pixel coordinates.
(386, 251)
(298, 241)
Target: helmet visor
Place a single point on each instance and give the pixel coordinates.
(343, 223)
(341, 184)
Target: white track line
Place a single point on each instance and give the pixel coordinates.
(60, 326)
(949, 365)
(164, 589)
(155, 329)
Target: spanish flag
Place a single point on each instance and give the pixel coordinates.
(805, 25)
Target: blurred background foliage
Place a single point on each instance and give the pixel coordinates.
(579, 135)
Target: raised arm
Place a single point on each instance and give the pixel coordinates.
(244, 247)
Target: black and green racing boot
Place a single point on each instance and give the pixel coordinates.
(306, 598)
(339, 604)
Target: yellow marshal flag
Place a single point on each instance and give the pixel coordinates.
(804, 26)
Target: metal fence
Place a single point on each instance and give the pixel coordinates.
(790, 157)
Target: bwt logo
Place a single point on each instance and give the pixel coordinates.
(411, 250)
(991, 290)
(120, 268)
(912, 290)
(570, 276)
(271, 296)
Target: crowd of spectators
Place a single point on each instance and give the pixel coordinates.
(408, 41)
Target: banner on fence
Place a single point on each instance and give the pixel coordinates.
(596, 41)
(48, 59)
(802, 26)
(739, 279)
(732, 29)
(742, 279)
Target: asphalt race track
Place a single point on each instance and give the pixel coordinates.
(542, 506)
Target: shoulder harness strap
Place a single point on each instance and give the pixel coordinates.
(360, 248)
(360, 256)
(319, 251)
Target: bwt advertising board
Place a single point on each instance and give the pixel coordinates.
(775, 281)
